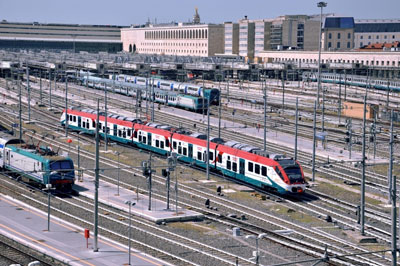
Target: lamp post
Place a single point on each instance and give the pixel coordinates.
(129, 203)
(257, 257)
(320, 5)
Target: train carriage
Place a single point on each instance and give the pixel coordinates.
(239, 161)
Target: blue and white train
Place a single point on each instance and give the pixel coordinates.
(212, 94)
(354, 80)
(36, 164)
(170, 98)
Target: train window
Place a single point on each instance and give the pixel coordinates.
(144, 139)
(211, 155)
(219, 158)
(199, 155)
(124, 134)
(83, 124)
(135, 134)
(140, 138)
(157, 143)
(180, 149)
(257, 169)
(234, 167)
(174, 144)
(74, 118)
(185, 151)
(162, 144)
(93, 124)
(250, 166)
(119, 132)
(228, 165)
(264, 171)
(129, 132)
(167, 142)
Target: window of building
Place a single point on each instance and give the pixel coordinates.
(349, 35)
(330, 35)
(361, 44)
(329, 44)
(338, 35)
(361, 37)
(369, 37)
(377, 37)
(338, 45)
(385, 36)
(348, 44)
(393, 37)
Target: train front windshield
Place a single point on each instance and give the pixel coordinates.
(61, 166)
(292, 170)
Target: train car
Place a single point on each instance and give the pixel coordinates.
(170, 98)
(212, 94)
(354, 80)
(238, 161)
(36, 164)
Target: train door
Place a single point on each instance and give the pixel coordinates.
(149, 139)
(190, 150)
(7, 159)
(79, 121)
(241, 166)
(115, 131)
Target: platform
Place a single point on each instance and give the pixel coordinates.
(64, 241)
(108, 194)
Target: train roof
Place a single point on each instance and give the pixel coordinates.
(42, 154)
(6, 138)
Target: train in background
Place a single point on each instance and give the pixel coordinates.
(353, 80)
(211, 94)
(36, 164)
(170, 98)
(239, 161)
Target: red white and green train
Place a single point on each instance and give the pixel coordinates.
(238, 161)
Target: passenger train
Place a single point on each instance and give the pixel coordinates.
(171, 98)
(354, 80)
(239, 161)
(36, 164)
(212, 94)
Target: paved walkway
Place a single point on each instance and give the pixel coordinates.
(65, 241)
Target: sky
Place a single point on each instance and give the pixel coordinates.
(127, 12)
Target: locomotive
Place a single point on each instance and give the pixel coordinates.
(236, 160)
(36, 164)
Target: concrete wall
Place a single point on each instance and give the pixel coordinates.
(336, 37)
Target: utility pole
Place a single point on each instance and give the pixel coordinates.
(314, 140)
(363, 170)
(219, 110)
(20, 108)
(208, 143)
(296, 128)
(105, 117)
(29, 92)
(375, 135)
(390, 170)
(152, 101)
(323, 112)
(394, 223)
(283, 92)
(345, 85)
(320, 5)
(340, 98)
(66, 106)
(40, 82)
(264, 88)
(50, 108)
(96, 182)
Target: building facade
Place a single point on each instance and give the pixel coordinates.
(338, 34)
(91, 38)
(370, 31)
(246, 38)
(231, 38)
(174, 39)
